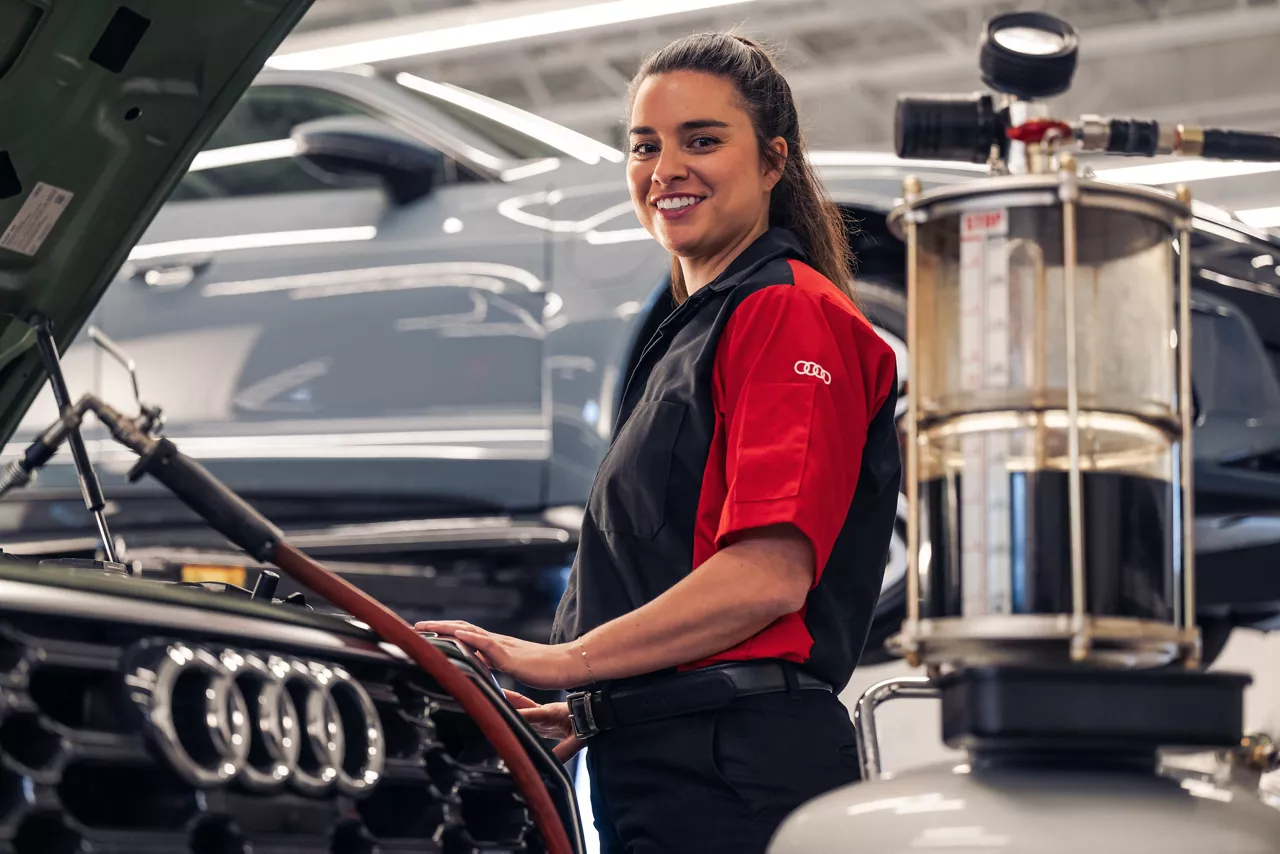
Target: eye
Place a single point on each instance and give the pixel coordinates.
(704, 142)
(642, 148)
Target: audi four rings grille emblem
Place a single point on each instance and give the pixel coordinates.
(813, 369)
(265, 722)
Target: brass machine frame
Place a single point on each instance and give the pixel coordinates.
(942, 641)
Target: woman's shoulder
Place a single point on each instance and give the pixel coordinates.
(790, 283)
(812, 284)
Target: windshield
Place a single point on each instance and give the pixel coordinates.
(509, 142)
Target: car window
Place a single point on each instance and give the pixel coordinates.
(509, 141)
(1229, 366)
(267, 114)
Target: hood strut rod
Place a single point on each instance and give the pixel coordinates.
(90, 488)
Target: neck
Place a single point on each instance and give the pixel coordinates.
(702, 271)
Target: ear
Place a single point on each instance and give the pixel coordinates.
(773, 175)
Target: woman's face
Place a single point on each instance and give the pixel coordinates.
(697, 180)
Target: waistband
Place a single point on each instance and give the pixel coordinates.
(634, 702)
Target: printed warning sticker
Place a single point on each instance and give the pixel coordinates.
(39, 214)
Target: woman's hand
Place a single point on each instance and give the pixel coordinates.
(548, 721)
(538, 665)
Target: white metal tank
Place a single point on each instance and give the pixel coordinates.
(956, 808)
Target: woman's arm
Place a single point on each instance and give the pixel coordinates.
(762, 575)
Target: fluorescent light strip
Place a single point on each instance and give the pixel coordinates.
(514, 210)
(489, 32)
(1183, 171)
(620, 209)
(569, 141)
(1260, 217)
(236, 155)
(537, 167)
(264, 240)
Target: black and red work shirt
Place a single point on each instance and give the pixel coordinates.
(765, 398)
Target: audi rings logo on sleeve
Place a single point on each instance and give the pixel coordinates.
(265, 723)
(813, 369)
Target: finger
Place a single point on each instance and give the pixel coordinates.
(520, 701)
(486, 647)
(552, 731)
(541, 714)
(568, 748)
(475, 638)
(444, 627)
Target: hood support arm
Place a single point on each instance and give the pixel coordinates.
(90, 488)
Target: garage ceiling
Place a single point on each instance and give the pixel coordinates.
(1197, 61)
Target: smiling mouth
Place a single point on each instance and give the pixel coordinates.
(672, 204)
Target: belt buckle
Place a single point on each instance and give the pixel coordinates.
(581, 715)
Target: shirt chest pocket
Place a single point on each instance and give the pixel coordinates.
(630, 491)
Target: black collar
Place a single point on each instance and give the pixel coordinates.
(777, 242)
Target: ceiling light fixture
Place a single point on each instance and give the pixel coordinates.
(489, 32)
(537, 167)
(569, 141)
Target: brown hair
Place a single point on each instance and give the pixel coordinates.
(798, 202)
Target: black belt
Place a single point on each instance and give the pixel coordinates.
(623, 704)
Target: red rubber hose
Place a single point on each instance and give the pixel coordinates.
(387, 625)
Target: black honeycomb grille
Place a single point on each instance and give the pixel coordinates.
(77, 776)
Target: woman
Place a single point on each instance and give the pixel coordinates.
(736, 535)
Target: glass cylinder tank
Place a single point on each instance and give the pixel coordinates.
(998, 381)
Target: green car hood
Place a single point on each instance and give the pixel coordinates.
(103, 106)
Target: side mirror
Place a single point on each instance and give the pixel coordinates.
(346, 146)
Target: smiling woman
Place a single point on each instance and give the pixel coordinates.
(714, 132)
(735, 539)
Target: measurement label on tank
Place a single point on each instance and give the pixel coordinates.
(987, 583)
(973, 526)
(984, 299)
(984, 365)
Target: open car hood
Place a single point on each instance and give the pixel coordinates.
(103, 108)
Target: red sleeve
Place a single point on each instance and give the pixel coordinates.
(792, 391)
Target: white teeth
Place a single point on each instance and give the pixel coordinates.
(677, 202)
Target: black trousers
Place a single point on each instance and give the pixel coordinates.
(722, 780)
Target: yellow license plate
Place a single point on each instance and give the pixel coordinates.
(225, 574)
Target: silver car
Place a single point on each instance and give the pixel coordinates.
(398, 316)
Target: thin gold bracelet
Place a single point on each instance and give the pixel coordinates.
(582, 648)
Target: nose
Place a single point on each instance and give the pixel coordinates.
(671, 165)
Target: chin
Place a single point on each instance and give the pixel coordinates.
(680, 245)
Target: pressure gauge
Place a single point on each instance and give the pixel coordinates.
(1029, 55)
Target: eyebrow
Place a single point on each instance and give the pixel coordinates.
(692, 124)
